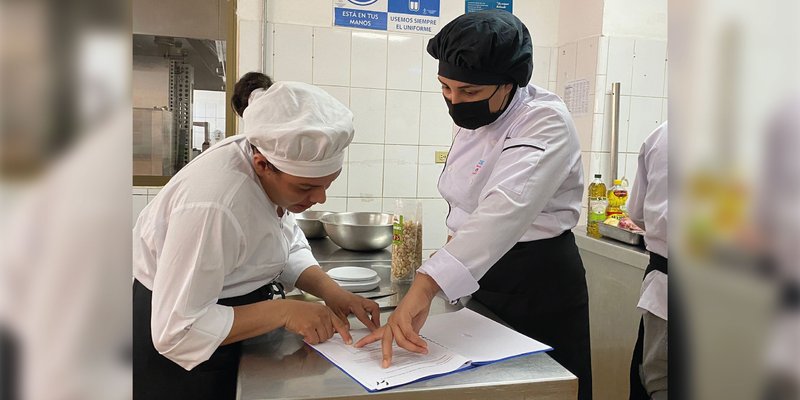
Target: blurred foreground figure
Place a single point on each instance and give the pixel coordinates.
(735, 218)
(648, 207)
(61, 282)
(777, 222)
(65, 187)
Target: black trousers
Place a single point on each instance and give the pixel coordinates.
(637, 390)
(157, 377)
(539, 289)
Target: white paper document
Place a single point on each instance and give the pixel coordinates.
(456, 341)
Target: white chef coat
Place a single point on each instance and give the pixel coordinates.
(519, 178)
(211, 233)
(647, 207)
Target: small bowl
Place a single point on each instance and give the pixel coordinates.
(309, 223)
(359, 231)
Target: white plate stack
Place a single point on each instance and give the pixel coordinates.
(355, 279)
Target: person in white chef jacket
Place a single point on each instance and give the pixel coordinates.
(514, 183)
(216, 248)
(647, 208)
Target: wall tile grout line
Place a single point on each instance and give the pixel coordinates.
(427, 132)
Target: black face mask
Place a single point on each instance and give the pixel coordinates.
(474, 114)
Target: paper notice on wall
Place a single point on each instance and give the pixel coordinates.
(576, 96)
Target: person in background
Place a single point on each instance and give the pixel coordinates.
(647, 208)
(778, 229)
(514, 183)
(213, 252)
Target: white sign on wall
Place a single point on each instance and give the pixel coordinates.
(412, 16)
(576, 96)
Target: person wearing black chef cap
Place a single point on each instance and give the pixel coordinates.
(514, 183)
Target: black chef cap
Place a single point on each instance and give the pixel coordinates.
(484, 48)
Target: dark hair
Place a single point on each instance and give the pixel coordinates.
(271, 167)
(245, 86)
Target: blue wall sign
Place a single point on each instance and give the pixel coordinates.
(414, 16)
(365, 14)
(480, 5)
(420, 16)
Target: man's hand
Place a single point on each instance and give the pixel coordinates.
(315, 322)
(344, 303)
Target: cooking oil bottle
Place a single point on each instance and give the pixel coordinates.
(597, 206)
(617, 196)
(624, 206)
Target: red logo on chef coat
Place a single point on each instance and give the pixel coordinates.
(478, 167)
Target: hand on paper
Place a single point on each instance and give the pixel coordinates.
(406, 321)
(344, 303)
(315, 322)
(340, 301)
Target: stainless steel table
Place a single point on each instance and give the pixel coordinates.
(280, 366)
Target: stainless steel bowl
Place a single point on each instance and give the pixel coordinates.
(309, 223)
(359, 231)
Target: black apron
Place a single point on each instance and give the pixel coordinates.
(157, 377)
(9, 364)
(637, 390)
(539, 289)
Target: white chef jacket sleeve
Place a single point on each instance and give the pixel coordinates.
(300, 256)
(654, 294)
(203, 244)
(524, 179)
(639, 190)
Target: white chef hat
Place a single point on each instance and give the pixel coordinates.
(300, 128)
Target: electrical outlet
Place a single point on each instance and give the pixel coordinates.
(441, 157)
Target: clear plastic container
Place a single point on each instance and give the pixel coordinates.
(406, 240)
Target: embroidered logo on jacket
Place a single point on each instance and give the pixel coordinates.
(478, 167)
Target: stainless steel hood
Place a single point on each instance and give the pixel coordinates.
(206, 56)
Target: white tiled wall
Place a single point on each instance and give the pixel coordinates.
(400, 171)
(331, 58)
(293, 52)
(389, 82)
(250, 15)
(365, 175)
(368, 61)
(404, 62)
(640, 65)
(566, 65)
(369, 114)
(400, 125)
(402, 117)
